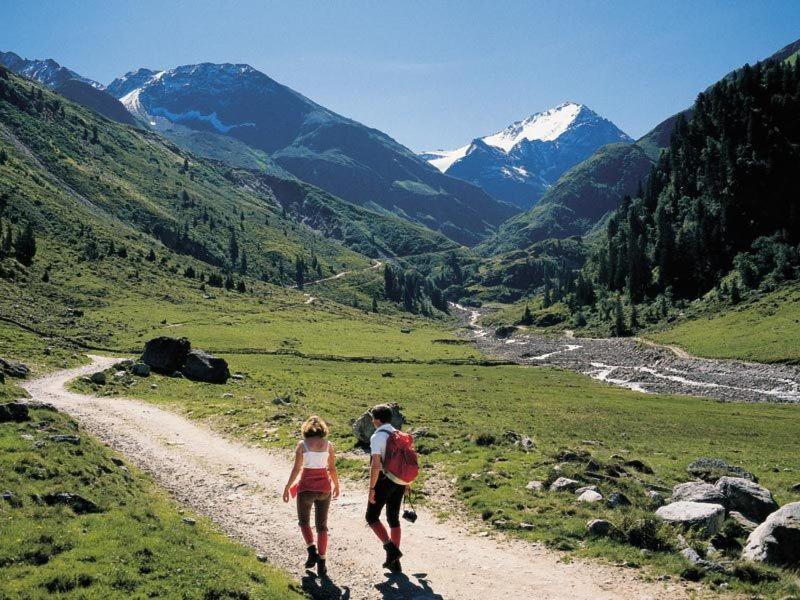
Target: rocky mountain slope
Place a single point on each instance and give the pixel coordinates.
(344, 157)
(520, 162)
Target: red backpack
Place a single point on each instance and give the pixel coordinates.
(400, 461)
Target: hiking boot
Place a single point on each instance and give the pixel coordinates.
(322, 568)
(313, 557)
(395, 567)
(393, 554)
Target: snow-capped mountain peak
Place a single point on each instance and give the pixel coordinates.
(518, 163)
(46, 71)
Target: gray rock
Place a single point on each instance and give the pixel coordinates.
(165, 354)
(749, 498)
(68, 439)
(201, 366)
(618, 499)
(16, 412)
(363, 427)
(777, 540)
(697, 491)
(76, 502)
(586, 488)
(526, 526)
(692, 556)
(590, 497)
(796, 487)
(141, 370)
(99, 378)
(564, 484)
(599, 527)
(742, 521)
(711, 469)
(189, 521)
(123, 364)
(261, 558)
(535, 486)
(638, 465)
(656, 498)
(13, 368)
(707, 518)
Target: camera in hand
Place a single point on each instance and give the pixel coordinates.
(410, 515)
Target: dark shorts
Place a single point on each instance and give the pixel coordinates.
(390, 495)
(321, 501)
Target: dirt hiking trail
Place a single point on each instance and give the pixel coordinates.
(239, 488)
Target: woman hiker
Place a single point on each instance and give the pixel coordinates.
(384, 491)
(319, 482)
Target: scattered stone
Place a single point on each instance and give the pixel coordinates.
(564, 484)
(201, 366)
(746, 524)
(617, 500)
(697, 491)
(519, 440)
(707, 518)
(13, 368)
(535, 486)
(16, 412)
(282, 400)
(165, 354)
(120, 374)
(238, 376)
(7, 495)
(599, 527)
(777, 540)
(363, 427)
(638, 465)
(587, 488)
(261, 558)
(505, 331)
(99, 378)
(405, 330)
(749, 498)
(188, 521)
(141, 370)
(227, 395)
(68, 439)
(593, 466)
(711, 469)
(526, 526)
(117, 461)
(76, 502)
(691, 555)
(123, 364)
(590, 497)
(796, 487)
(387, 374)
(656, 498)
(48, 350)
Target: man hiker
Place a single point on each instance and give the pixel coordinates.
(386, 488)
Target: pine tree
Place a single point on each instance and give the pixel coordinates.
(299, 272)
(95, 138)
(25, 245)
(634, 320)
(619, 318)
(243, 264)
(151, 256)
(736, 296)
(374, 304)
(3, 156)
(233, 248)
(527, 317)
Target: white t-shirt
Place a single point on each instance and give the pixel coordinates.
(377, 443)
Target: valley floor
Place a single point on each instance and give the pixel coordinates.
(238, 486)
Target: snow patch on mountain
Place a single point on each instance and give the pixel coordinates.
(193, 115)
(545, 126)
(443, 159)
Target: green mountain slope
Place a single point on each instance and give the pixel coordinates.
(580, 198)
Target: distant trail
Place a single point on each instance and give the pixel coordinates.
(339, 275)
(238, 487)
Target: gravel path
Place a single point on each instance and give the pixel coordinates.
(642, 366)
(238, 487)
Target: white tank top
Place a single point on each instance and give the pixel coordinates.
(315, 460)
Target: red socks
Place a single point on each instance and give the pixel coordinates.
(322, 543)
(395, 535)
(308, 536)
(380, 531)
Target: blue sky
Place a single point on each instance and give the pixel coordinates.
(430, 74)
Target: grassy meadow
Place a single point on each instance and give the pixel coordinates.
(137, 543)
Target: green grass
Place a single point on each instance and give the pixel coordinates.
(137, 546)
(456, 404)
(766, 329)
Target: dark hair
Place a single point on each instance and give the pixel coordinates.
(382, 412)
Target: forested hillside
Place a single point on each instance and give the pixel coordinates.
(725, 197)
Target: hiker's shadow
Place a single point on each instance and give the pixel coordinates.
(398, 586)
(324, 588)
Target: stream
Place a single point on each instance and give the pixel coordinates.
(644, 368)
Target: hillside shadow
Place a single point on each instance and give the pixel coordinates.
(398, 586)
(323, 589)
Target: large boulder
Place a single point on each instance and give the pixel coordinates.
(697, 491)
(201, 366)
(165, 355)
(564, 484)
(711, 469)
(707, 518)
(363, 427)
(13, 368)
(749, 498)
(776, 540)
(15, 412)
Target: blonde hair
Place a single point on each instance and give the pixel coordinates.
(314, 427)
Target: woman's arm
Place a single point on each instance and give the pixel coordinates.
(298, 464)
(332, 470)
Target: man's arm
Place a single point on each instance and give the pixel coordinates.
(374, 471)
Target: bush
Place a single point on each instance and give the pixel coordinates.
(485, 439)
(647, 532)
